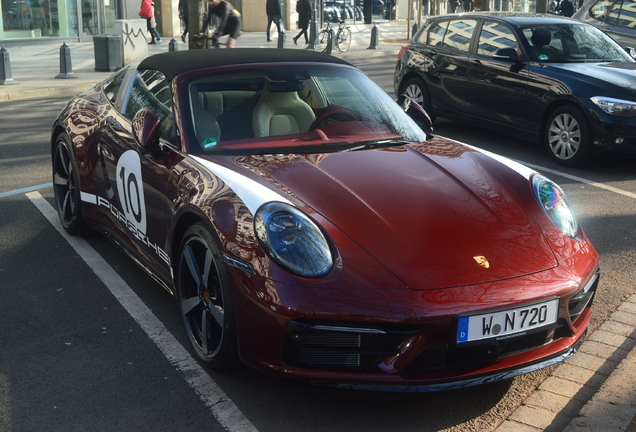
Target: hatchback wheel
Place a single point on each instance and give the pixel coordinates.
(416, 90)
(66, 186)
(568, 137)
(205, 297)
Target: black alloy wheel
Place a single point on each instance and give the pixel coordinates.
(205, 299)
(66, 187)
(568, 137)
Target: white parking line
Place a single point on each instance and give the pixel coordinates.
(228, 414)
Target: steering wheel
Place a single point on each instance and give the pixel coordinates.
(334, 112)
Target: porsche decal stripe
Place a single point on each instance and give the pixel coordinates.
(225, 411)
(253, 194)
(88, 198)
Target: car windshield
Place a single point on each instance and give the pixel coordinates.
(292, 109)
(572, 43)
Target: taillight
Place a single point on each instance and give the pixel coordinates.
(402, 51)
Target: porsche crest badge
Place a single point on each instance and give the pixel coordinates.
(482, 261)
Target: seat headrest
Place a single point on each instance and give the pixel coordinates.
(541, 36)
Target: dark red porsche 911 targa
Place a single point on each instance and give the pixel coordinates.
(311, 229)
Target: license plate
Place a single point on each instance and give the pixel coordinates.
(507, 323)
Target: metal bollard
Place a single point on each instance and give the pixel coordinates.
(281, 39)
(332, 42)
(66, 68)
(313, 35)
(374, 38)
(313, 29)
(414, 30)
(173, 45)
(5, 68)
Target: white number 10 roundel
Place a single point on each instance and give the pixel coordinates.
(131, 189)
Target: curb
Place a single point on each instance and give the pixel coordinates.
(592, 391)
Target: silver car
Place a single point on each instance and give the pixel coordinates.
(617, 18)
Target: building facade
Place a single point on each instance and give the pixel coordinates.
(35, 21)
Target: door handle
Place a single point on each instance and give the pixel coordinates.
(475, 63)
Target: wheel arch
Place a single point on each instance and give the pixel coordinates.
(188, 218)
(57, 130)
(407, 77)
(553, 106)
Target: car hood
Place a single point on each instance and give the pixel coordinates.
(619, 74)
(427, 217)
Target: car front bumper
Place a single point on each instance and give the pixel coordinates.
(402, 339)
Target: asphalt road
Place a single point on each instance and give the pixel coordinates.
(73, 358)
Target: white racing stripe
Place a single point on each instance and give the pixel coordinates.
(520, 167)
(225, 411)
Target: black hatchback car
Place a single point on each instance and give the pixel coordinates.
(551, 79)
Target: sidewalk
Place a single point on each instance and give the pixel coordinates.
(593, 391)
(34, 67)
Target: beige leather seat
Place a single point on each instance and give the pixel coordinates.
(281, 113)
(205, 124)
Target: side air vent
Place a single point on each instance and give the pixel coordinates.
(583, 298)
(323, 345)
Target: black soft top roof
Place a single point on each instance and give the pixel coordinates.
(174, 63)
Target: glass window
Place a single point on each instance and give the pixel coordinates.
(599, 9)
(459, 34)
(24, 19)
(573, 43)
(152, 90)
(623, 14)
(112, 85)
(299, 109)
(436, 33)
(495, 36)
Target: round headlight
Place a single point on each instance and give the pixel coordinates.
(293, 240)
(556, 204)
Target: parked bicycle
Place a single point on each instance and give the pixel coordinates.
(342, 35)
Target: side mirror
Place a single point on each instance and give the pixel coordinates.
(146, 127)
(418, 114)
(506, 54)
(631, 51)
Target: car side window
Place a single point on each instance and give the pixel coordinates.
(112, 85)
(459, 34)
(151, 90)
(600, 8)
(623, 14)
(495, 36)
(435, 35)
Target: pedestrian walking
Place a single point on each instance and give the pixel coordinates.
(147, 11)
(272, 8)
(304, 12)
(230, 23)
(183, 15)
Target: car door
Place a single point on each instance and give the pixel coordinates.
(496, 90)
(448, 48)
(134, 183)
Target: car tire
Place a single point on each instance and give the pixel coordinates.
(416, 90)
(205, 299)
(568, 137)
(66, 186)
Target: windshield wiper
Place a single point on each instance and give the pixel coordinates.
(393, 142)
